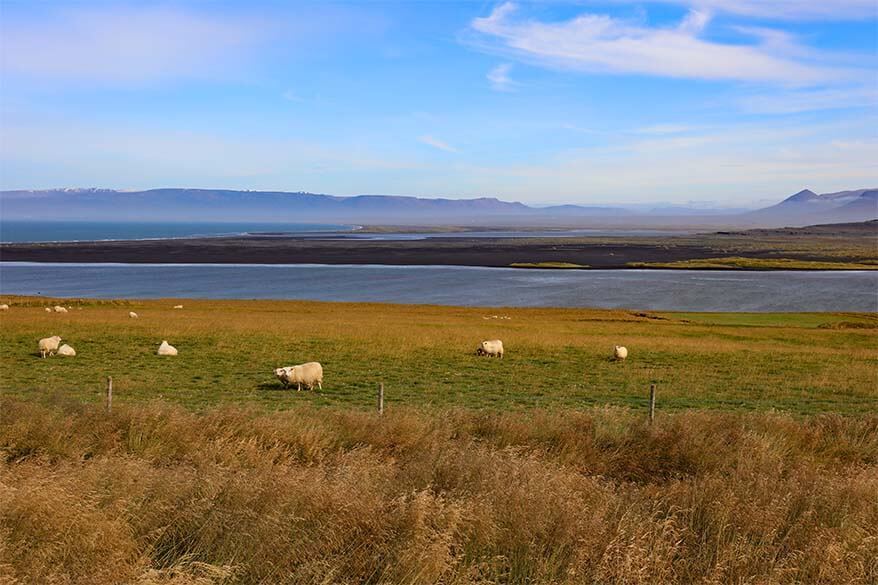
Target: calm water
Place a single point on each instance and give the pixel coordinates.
(70, 231)
(451, 285)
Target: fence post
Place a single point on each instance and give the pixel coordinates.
(109, 393)
(651, 403)
(381, 398)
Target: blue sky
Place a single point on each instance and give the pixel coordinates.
(736, 102)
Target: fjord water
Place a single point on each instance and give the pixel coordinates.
(671, 290)
(71, 231)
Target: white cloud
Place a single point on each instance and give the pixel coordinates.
(600, 43)
(436, 143)
(783, 9)
(499, 78)
(125, 44)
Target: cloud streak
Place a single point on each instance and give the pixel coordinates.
(602, 44)
(782, 9)
(436, 143)
(499, 78)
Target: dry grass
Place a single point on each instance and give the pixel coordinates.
(158, 494)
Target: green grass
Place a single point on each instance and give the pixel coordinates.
(555, 358)
(737, 262)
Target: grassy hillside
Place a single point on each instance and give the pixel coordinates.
(802, 363)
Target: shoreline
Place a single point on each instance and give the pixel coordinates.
(721, 253)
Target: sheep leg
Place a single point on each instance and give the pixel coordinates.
(320, 385)
(299, 387)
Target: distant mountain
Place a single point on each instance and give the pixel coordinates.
(803, 208)
(808, 207)
(227, 205)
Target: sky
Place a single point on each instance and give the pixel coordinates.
(718, 102)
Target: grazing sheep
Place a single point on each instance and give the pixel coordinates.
(167, 349)
(493, 348)
(132, 314)
(620, 352)
(178, 306)
(66, 351)
(4, 307)
(48, 310)
(59, 309)
(306, 375)
(49, 345)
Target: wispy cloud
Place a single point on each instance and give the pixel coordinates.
(125, 44)
(600, 43)
(499, 78)
(436, 143)
(782, 9)
(665, 129)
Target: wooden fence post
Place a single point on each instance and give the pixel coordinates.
(109, 393)
(651, 403)
(381, 398)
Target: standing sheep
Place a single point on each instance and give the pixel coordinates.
(620, 352)
(4, 307)
(492, 348)
(306, 375)
(59, 309)
(49, 345)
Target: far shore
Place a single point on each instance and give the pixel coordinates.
(729, 251)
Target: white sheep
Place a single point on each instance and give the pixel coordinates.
(59, 309)
(167, 349)
(4, 307)
(49, 345)
(48, 310)
(493, 348)
(178, 306)
(66, 351)
(620, 352)
(306, 375)
(132, 314)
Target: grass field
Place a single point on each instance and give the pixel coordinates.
(536, 469)
(801, 363)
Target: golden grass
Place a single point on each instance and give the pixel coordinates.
(547, 265)
(737, 262)
(158, 494)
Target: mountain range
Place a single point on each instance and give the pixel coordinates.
(803, 208)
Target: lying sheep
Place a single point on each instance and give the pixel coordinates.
(132, 314)
(49, 345)
(167, 349)
(66, 351)
(178, 306)
(48, 310)
(493, 348)
(59, 309)
(620, 352)
(306, 375)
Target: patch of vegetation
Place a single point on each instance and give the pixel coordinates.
(155, 494)
(737, 262)
(547, 265)
(425, 356)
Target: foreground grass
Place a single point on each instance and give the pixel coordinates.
(802, 363)
(732, 262)
(158, 494)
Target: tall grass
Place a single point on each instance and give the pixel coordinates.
(154, 493)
